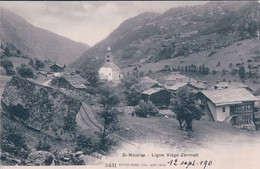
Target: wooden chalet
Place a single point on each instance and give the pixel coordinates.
(233, 105)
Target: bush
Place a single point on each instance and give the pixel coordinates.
(108, 116)
(8, 66)
(212, 53)
(25, 71)
(43, 145)
(257, 92)
(88, 144)
(12, 141)
(10, 72)
(107, 145)
(39, 64)
(185, 108)
(146, 109)
(91, 75)
(242, 72)
(69, 123)
(214, 72)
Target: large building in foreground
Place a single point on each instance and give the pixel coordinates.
(233, 105)
(110, 71)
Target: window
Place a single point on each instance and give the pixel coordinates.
(107, 60)
(107, 56)
(223, 109)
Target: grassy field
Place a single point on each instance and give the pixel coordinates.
(236, 53)
(226, 146)
(161, 130)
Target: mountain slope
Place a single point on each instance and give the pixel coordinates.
(178, 32)
(37, 42)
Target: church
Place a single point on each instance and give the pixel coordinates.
(110, 71)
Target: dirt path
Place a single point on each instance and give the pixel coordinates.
(86, 120)
(46, 83)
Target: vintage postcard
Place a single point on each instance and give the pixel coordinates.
(130, 84)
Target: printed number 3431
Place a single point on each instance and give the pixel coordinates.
(110, 165)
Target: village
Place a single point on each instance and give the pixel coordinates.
(229, 102)
(182, 81)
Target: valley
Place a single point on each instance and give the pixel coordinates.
(183, 82)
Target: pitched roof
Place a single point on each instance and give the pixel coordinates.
(148, 80)
(111, 65)
(55, 64)
(76, 81)
(42, 72)
(176, 86)
(229, 96)
(146, 83)
(197, 84)
(152, 91)
(224, 85)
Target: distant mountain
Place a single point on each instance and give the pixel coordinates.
(151, 37)
(37, 42)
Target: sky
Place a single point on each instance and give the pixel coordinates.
(86, 21)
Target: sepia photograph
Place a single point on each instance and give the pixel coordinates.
(130, 84)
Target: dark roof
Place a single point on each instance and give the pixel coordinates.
(224, 85)
(42, 72)
(146, 83)
(176, 86)
(152, 91)
(197, 84)
(55, 64)
(76, 81)
(229, 96)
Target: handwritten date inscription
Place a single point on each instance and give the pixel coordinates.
(203, 163)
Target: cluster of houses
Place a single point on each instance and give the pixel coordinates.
(71, 82)
(55, 70)
(229, 102)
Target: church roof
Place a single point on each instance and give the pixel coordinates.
(111, 65)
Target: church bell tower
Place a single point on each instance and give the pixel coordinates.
(108, 55)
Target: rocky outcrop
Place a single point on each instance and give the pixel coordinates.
(67, 157)
(41, 158)
(40, 108)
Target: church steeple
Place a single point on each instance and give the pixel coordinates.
(108, 55)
